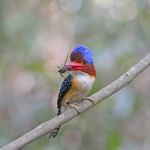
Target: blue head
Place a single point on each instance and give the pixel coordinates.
(81, 60)
(82, 52)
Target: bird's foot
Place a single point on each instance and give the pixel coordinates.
(74, 106)
(88, 99)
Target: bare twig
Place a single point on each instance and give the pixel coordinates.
(47, 126)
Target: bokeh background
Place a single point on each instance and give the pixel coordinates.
(35, 37)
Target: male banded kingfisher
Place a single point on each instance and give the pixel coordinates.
(77, 84)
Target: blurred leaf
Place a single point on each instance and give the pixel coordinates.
(36, 66)
(126, 60)
(114, 140)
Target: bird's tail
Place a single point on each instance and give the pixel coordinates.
(54, 132)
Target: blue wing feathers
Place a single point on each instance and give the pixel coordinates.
(63, 90)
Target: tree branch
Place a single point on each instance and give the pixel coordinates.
(69, 114)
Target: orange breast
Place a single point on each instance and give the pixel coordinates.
(81, 85)
(75, 88)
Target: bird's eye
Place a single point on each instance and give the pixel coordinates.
(84, 62)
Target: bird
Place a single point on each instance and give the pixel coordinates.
(78, 83)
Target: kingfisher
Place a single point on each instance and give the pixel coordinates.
(78, 83)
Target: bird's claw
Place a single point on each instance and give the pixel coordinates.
(75, 107)
(88, 99)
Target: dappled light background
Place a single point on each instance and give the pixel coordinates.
(35, 37)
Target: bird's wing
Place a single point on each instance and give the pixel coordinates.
(66, 85)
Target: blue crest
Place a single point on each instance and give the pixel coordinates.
(86, 53)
